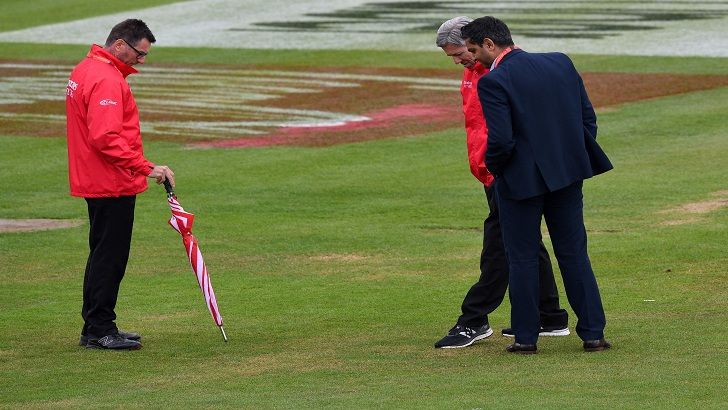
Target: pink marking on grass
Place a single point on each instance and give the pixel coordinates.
(290, 135)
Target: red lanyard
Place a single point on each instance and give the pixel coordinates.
(500, 56)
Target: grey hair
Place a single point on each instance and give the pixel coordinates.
(449, 32)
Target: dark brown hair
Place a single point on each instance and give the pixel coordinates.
(131, 30)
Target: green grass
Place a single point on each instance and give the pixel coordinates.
(206, 56)
(337, 268)
(355, 58)
(19, 14)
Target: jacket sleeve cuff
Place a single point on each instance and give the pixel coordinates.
(147, 168)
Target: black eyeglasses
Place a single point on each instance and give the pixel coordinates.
(140, 54)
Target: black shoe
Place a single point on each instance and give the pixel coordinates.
(521, 348)
(463, 336)
(113, 341)
(555, 331)
(126, 335)
(596, 345)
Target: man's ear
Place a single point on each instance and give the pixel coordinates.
(118, 44)
(488, 44)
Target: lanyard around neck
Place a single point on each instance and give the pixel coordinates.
(501, 55)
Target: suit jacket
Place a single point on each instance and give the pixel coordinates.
(541, 125)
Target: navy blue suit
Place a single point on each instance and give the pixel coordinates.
(541, 146)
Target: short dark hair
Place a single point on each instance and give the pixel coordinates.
(131, 30)
(487, 27)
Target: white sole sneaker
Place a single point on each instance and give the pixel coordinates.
(556, 332)
(473, 340)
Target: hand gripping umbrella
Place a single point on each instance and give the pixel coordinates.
(182, 222)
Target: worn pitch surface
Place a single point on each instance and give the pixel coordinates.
(254, 106)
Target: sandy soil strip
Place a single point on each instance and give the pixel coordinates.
(30, 225)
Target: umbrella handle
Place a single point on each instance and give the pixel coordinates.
(168, 188)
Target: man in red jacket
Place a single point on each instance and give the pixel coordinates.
(485, 295)
(107, 167)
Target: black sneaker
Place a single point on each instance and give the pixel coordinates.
(113, 341)
(83, 341)
(463, 336)
(554, 331)
(557, 331)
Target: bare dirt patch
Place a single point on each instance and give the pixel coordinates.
(337, 257)
(695, 211)
(399, 111)
(30, 225)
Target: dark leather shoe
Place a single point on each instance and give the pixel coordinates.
(114, 342)
(126, 335)
(596, 345)
(521, 348)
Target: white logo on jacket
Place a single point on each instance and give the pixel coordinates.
(71, 87)
(107, 102)
(467, 84)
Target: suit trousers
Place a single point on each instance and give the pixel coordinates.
(521, 221)
(111, 222)
(490, 289)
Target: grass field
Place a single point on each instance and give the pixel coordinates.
(337, 268)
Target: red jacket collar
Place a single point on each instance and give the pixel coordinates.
(478, 68)
(98, 53)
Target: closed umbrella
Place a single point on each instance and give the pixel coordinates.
(182, 221)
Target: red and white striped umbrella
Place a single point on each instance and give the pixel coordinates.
(182, 221)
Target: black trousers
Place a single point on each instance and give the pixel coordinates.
(112, 220)
(488, 293)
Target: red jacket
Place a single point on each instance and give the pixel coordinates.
(105, 155)
(475, 128)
